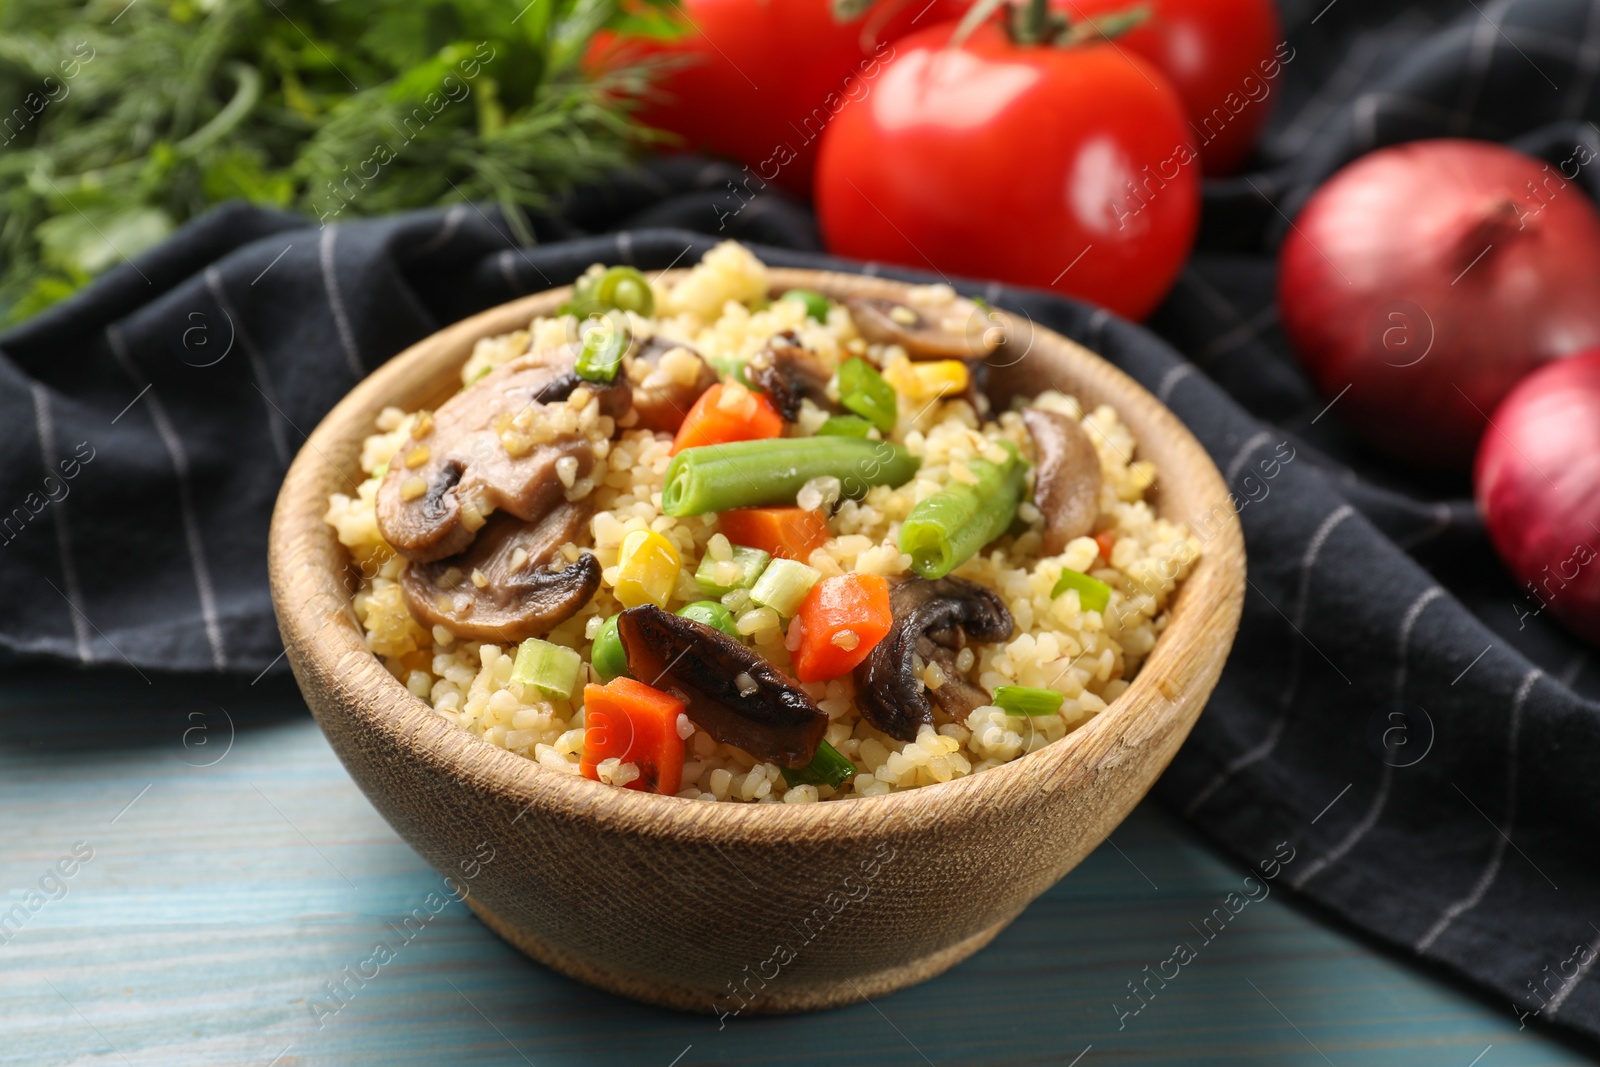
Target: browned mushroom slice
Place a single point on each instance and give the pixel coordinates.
(526, 590)
(471, 457)
(663, 394)
(788, 374)
(956, 697)
(1066, 479)
(958, 331)
(728, 690)
(944, 612)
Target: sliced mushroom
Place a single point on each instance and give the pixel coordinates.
(661, 397)
(456, 469)
(943, 612)
(1066, 479)
(729, 691)
(788, 374)
(958, 331)
(527, 587)
(956, 697)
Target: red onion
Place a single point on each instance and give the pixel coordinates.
(1537, 481)
(1430, 277)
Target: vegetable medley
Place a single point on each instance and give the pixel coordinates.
(711, 540)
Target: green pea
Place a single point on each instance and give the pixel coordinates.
(607, 656)
(712, 614)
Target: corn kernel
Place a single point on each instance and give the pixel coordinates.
(412, 488)
(417, 457)
(647, 569)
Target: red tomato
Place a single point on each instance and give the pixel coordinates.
(760, 81)
(1069, 168)
(1223, 57)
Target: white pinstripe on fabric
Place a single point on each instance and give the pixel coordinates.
(179, 458)
(1171, 379)
(1253, 442)
(1264, 748)
(330, 285)
(1497, 852)
(258, 368)
(58, 515)
(1380, 798)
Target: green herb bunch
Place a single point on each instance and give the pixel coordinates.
(119, 120)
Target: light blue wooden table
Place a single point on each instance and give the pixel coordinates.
(231, 878)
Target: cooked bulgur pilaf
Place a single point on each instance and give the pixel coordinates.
(723, 314)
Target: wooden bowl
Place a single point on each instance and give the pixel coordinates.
(731, 908)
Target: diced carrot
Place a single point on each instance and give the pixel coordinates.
(1106, 539)
(636, 724)
(841, 619)
(727, 412)
(788, 533)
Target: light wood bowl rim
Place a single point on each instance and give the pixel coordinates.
(1205, 613)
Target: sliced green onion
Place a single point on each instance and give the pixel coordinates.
(1093, 594)
(828, 767)
(1025, 700)
(380, 470)
(482, 371)
(551, 669)
(607, 656)
(863, 390)
(601, 355)
(750, 561)
(845, 426)
(625, 289)
(745, 474)
(949, 527)
(783, 585)
(710, 613)
(816, 304)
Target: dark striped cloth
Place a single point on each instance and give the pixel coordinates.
(1428, 750)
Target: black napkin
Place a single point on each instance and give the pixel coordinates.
(1424, 750)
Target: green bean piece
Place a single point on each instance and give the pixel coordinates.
(844, 426)
(745, 474)
(816, 304)
(607, 656)
(828, 767)
(601, 355)
(1093, 594)
(948, 528)
(863, 390)
(712, 614)
(625, 289)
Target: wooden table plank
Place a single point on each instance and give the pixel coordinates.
(228, 885)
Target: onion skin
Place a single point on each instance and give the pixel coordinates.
(1431, 277)
(1537, 484)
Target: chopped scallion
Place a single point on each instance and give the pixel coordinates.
(1025, 700)
(750, 562)
(551, 669)
(1093, 594)
(783, 585)
(816, 304)
(828, 767)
